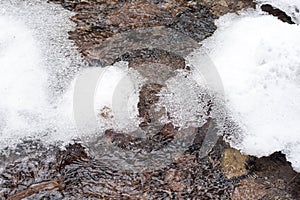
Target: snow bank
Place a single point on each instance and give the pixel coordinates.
(37, 62)
(22, 83)
(257, 57)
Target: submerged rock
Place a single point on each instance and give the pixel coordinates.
(222, 7)
(99, 20)
(76, 173)
(36, 188)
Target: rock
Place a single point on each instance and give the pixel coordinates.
(73, 153)
(99, 20)
(269, 178)
(222, 7)
(251, 188)
(277, 13)
(278, 172)
(36, 188)
(234, 163)
(135, 15)
(105, 112)
(147, 99)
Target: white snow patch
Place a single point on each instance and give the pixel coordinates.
(37, 63)
(257, 57)
(22, 83)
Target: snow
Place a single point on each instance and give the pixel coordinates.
(21, 90)
(257, 57)
(35, 71)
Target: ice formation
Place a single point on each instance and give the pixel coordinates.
(37, 62)
(257, 57)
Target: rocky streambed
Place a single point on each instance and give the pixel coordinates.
(36, 171)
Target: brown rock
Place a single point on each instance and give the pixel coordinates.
(234, 163)
(35, 188)
(251, 188)
(135, 14)
(99, 20)
(222, 7)
(278, 171)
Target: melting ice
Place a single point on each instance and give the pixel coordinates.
(37, 62)
(257, 57)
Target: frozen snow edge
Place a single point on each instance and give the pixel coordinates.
(257, 57)
(38, 63)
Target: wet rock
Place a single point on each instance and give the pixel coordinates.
(174, 180)
(85, 176)
(73, 152)
(150, 142)
(36, 188)
(147, 99)
(270, 178)
(136, 14)
(159, 38)
(251, 188)
(277, 13)
(234, 163)
(278, 172)
(99, 20)
(19, 176)
(221, 7)
(149, 62)
(187, 177)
